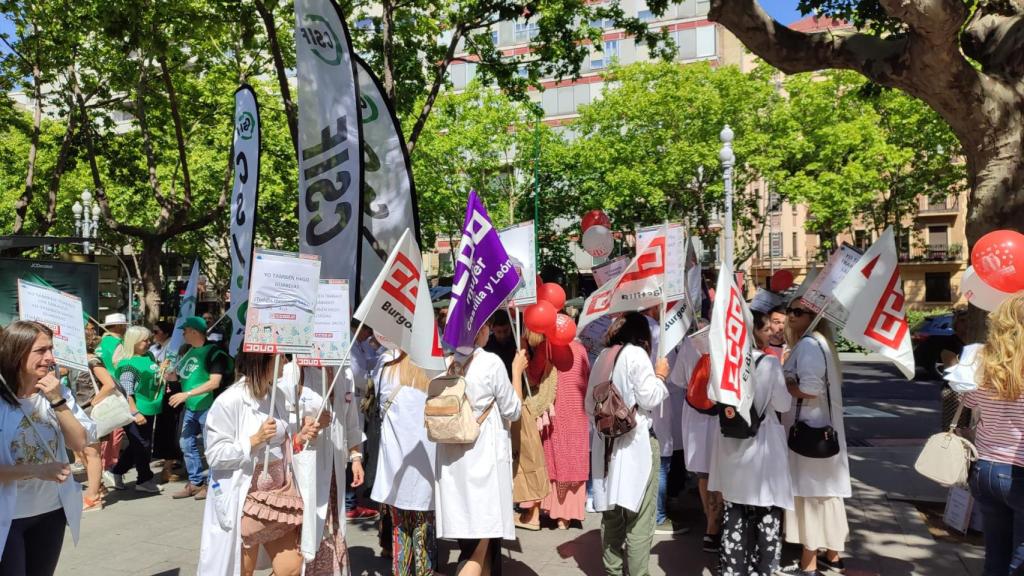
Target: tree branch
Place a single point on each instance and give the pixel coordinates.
(179, 133)
(291, 111)
(22, 204)
(933, 19)
(435, 88)
(147, 148)
(58, 173)
(996, 41)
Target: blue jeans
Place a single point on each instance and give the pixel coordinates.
(192, 425)
(661, 512)
(999, 490)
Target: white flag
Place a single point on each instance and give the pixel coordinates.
(398, 306)
(246, 161)
(638, 287)
(731, 342)
(675, 324)
(872, 294)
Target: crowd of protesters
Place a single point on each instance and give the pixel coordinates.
(206, 419)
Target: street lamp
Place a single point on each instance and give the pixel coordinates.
(728, 159)
(87, 218)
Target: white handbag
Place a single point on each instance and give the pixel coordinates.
(946, 457)
(110, 413)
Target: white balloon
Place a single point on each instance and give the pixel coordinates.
(598, 241)
(981, 294)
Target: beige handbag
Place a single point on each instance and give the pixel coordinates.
(448, 414)
(946, 457)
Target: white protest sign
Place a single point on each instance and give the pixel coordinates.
(592, 336)
(675, 256)
(62, 313)
(839, 265)
(520, 242)
(331, 325)
(610, 269)
(282, 302)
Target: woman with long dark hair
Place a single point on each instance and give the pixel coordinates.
(39, 423)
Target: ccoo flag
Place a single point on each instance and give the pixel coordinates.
(637, 287)
(330, 156)
(397, 306)
(484, 277)
(389, 197)
(246, 160)
(872, 294)
(731, 346)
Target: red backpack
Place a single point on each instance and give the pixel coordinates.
(697, 389)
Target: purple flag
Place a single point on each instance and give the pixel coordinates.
(484, 277)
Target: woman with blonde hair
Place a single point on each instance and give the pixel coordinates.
(997, 479)
(405, 467)
(137, 375)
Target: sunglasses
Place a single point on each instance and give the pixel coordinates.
(797, 312)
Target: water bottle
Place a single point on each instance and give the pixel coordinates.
(222, 506)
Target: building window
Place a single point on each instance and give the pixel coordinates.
(494, 36)
(794, 252)
(526, 31)
(703, 7)
(601, 23)
(936, 287)
(364, 24)
(604, 58)
(774, 202)
(643, 12)
(706, 47)
(776, 245)
(861, 239)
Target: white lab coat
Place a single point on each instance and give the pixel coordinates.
(755, 471)
(697, 429)
(405, 465)
(630, 465)
(234, 417)
(473, 486)
(818, 477)
(70, 491)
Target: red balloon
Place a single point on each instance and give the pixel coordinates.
(540, 317)
(998, 259)
(562, 358)
(563, 332)
(781, 281)
(593, 217)
(553, 293)
(540, 282)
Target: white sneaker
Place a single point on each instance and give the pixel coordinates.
(118, 483)
(149, 486)
(666, 528)
(590, 505)
(107, 478)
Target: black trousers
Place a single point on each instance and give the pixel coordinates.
(33, 545)
(676, 484)
(167, 432)
(751, 540)
(139, 452)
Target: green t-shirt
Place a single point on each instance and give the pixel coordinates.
(149, 394)
(108, 345)
(193, 370)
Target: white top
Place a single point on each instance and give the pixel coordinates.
(35, 496)
(473, 487)
(405, 467)
(755, 471)
(697, 429)
(629, 468)
(69, 492)
(662, 416)
(159, 351)
(810, 361)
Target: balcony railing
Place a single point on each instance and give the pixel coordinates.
(934, 253)
(949, 205)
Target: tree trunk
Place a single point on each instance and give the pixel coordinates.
(291, 111)
(388, 37)
(21, 206)
(152, 250)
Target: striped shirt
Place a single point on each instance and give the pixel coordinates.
(1000, 433)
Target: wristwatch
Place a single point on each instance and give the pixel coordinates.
(355, 457)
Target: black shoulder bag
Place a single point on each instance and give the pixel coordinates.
(811, 442)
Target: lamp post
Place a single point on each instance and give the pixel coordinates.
(87, 219)
(728, 159)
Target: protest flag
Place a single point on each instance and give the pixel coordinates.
(638, 287)
(731, 343)
(187, 308)
(389, 194)
(694, 295)
(675, 323)
(484, 277)
(330, 140)
(245, 157)
(872, 296)
(397, 306)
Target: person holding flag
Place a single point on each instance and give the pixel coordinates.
(820, 481)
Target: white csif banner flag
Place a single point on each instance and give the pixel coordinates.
(637, 287)
(330, 157)
(731, 343)
(872, 295)
(397, 306)
(246, 160)
(187, 308)
(389, 195)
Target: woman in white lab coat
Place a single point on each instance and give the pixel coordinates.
(752, 474)
(625, 492)
(473, 485)
(239, 430)
(405, 466)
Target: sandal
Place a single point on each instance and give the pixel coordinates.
(527, 525)
(89, 504)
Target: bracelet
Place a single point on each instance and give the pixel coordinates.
(355, 457)
(134, 414)
(58, 403)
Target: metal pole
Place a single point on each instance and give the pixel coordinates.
(536, 191)
(771, 230)
(728, 159)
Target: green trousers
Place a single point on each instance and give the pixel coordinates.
(634, 529)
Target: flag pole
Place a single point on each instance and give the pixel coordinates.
(663, 304)
(265, 475)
